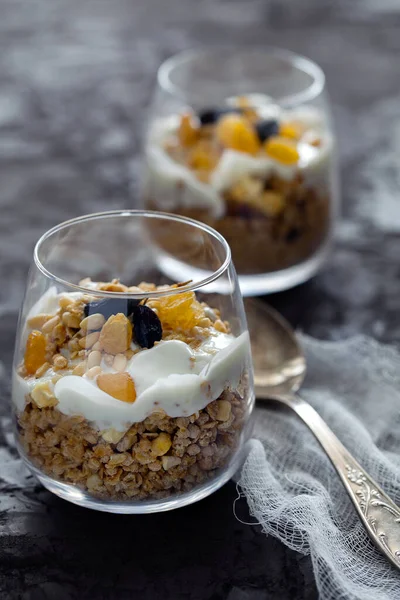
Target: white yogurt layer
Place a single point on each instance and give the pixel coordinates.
(173, 185)
(171, 376)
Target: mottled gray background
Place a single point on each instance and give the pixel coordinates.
(76, 77)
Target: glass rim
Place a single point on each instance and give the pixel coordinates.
(299, 61)
(132, 213)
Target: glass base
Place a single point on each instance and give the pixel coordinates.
(278, 281)
(81, 498)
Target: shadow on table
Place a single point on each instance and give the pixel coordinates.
(201, 552)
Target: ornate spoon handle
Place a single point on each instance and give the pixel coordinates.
(378, 513)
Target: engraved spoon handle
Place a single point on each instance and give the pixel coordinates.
(378, 513)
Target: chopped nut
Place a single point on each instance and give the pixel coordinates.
(168, 462)
(42, 370)
(113, 286)
(220, 326)
(116, 335)
(50, 324)
(73, 345)
(120, 362)
(93, 482)
(59, 362)
(59, 334)
(70, 320)
(118, 385)
(65, 302)
(161, 444)
(108, 359)
(93, 372)
(112, 435)
(96, 346)
(37, 321)
(43, 396)
(89, 339)
(80, 369)
(205, 322)
(94, 359)
(193, 449)
(223, 410)
(93, 322)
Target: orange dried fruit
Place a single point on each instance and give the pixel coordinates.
(247, 108)
(291, 130)
(118, 385)
(116, 335)
(282, 149)
(188, 131)
(201, 159)
(179, 311)
(35, 352)
(236, 132)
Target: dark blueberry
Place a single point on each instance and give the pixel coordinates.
(146, 326)
(266, 129)
(293, 234)
(209, 116)
(111, 306)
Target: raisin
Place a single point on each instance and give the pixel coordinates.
(266, 129)
(209, 116)
(293, 234)
(146, 326)
(111, 306)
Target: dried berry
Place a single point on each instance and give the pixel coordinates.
(209, 116)
(146, 326)
(266, 129)
(293, 234)
(111, 306)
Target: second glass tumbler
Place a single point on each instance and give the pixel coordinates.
(243, 142)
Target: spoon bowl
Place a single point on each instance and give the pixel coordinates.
(279, 365)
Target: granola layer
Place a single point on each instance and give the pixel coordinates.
(157, 458)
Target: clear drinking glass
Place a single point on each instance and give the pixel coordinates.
(132, 378)
(242, 140)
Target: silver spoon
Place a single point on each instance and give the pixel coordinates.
(279, 370)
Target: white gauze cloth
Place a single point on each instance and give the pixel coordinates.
(293, 490)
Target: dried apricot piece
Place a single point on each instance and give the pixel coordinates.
(282, 149)
(202, 159)
(116, 335)
(236, 132)
(118, 385)
(35, 352)
(291, 130)
(179, 311)
(188, 133)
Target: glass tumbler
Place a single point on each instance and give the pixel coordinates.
(242, 140)
(132, 378)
